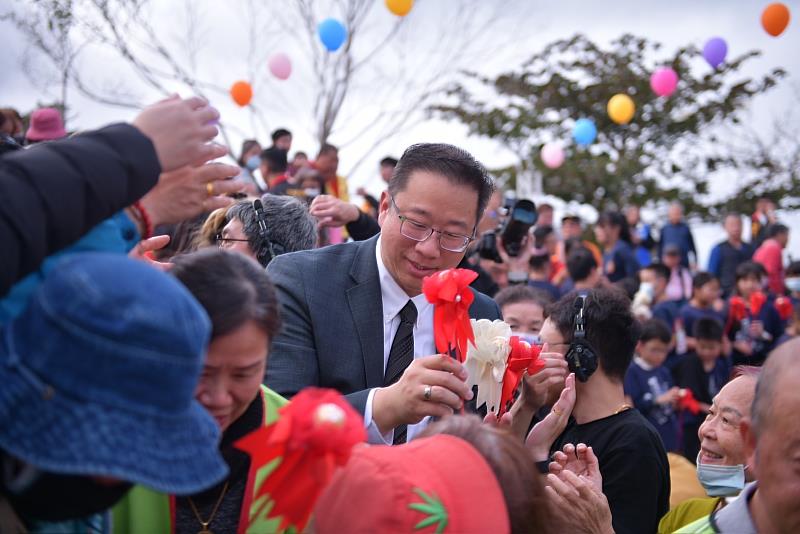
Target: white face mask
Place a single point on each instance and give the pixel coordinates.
(721, 480)
(648, 289)
(530, 337)
(793, 284)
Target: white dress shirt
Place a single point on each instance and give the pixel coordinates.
(394, 298)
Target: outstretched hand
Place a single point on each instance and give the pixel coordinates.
(546, 431)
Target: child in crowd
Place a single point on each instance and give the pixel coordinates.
(653, 279)
(705, 302)
(703, 371)
(523, 308)
(540, 270)
(649, 385)
(753, 323)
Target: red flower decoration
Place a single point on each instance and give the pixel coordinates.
(737, 310)
(687, 402)
(784, 307)
(451, 297)
(757, 301)
(313, 435)
(523, 357)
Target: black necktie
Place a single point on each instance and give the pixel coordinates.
(401, 355)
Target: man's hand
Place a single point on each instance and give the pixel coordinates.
(184, 193)
(404, 401)
(578, 507)
(180, 131)
(144, 248)
(546, 431)
(536, 388)
(330, 211)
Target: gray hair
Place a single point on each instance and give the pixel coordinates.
(779, 363)
(289, 225)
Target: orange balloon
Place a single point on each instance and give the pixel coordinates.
(775, 18)
(242, 93)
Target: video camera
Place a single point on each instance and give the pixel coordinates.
(513, 230)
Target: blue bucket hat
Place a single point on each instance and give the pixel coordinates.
(98, 377)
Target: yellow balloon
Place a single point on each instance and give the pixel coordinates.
(621, 108)
(400, 8)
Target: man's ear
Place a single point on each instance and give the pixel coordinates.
(383, 207)
(749, 439)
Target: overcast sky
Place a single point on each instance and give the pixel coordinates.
(523, 29)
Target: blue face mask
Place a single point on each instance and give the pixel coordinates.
(253, 162)
(720, 480)
(793, 284)
(531, 338)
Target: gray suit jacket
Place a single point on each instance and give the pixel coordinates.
(332, 333)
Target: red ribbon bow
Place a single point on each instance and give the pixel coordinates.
(313, 435)
(784, 307)
(451, 297)
(757, 301)
(687, 402)
(523, 357)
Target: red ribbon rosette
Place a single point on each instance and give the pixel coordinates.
(687, 402)
(523, 357)
(784, 307)
(313, 435)
(757, 301)
(737, 309)
(451, 297)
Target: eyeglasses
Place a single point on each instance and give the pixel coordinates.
(227, 242)
(420, 232)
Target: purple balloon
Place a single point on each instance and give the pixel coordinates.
(715, 51)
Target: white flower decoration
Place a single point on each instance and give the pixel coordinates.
(486, 360)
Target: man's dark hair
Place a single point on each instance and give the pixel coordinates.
(793, 269)
(540, 235)
(580, 263)
(389, 161)
(232, 288)
(655, 329)
(326, 148)
(702, 278)
(537, 262)
(300, 154)
(628, 285)
(615, 218)
(276, 158)
(750, 269)
(280, 132)
(776, 230)
(515, 294)
(708, 329)
(455, 164)
(659, 269)
(611, 328)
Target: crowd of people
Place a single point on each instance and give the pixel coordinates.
(160, 308)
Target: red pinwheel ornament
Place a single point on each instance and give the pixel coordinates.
(687, 402)
(523, 357)
(314, 434)
(451, 297)
(757, 301)
(784, 307)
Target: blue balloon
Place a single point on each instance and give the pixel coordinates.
(584, 132)
(715, 51)
(332, 33)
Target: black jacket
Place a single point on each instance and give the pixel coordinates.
(53, 193)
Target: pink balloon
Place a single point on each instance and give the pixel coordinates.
(553, 155)
(664, 81)
(280, 66)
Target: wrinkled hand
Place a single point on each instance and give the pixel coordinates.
(404, 403)
(536, 389)
(578, 507)
(180, 130)
(144, 247)
(581, 461)
(546, 431)
(183, 193)
(330, 211)
(670, 397)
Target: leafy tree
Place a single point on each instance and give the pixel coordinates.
(667, 152)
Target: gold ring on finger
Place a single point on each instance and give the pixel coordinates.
(210, 189)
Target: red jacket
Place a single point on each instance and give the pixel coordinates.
(770, 255)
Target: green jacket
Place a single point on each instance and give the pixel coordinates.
(144, 511)
(687, 512)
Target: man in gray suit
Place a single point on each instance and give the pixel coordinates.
(355, 318)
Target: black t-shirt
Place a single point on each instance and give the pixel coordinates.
(633, 464)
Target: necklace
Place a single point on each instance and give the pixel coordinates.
(625, 406)
(205, 524)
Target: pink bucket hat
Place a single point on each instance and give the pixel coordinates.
(46, 125)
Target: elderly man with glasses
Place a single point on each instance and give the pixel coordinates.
(354, 314)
